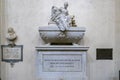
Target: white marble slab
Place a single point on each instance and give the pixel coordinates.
(61, 63)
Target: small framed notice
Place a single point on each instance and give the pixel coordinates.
(104, 53)
(12, 54)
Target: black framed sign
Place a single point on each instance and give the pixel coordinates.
(12, 54)
(104, 53)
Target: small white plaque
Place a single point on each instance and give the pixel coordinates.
(62, 62)
(12, 53)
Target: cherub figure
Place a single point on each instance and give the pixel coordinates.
(11, 37)
(73, 23)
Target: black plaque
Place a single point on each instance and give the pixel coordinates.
(119, 75)
(12, 54)
(104, 54)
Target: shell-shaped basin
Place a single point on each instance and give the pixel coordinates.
(52, 34)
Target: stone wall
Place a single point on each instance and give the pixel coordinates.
(25, 16)
(117, 39)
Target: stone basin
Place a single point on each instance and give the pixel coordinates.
(52, 34)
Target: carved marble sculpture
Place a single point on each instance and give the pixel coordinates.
(61, 17)
(11, 37)
(62, 27)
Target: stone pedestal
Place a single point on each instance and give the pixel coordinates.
(61, 58)
(61, 62)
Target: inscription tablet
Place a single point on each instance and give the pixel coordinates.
(12, 53)
(62, 62)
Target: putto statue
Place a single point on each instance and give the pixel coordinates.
(61, 17)
(11, 37)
